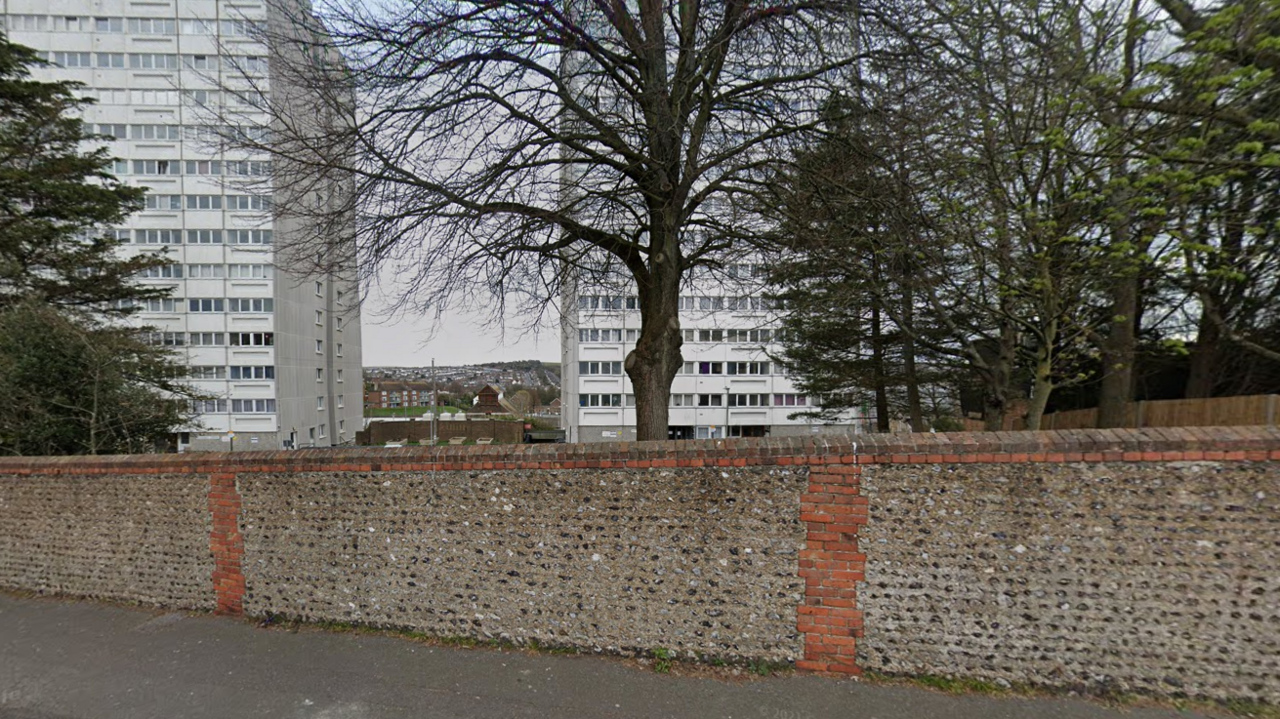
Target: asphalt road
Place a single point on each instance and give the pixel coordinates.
(62, 660)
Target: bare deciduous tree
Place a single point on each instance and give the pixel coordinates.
(494, 148)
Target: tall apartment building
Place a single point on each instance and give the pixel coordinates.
(278, 353)
(727, 387)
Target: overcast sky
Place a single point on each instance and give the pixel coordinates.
(460, 339)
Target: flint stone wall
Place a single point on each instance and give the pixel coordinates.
(1136, 576)
(140, 538)
(1130, 560)
(697, 560)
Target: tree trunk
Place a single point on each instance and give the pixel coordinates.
(1120, 344)
(993, 413)
(1118, 350)
(1041, 388)
(997, 378)
(909, 376)
(1204, 359)
(877, 371)
(653, 364)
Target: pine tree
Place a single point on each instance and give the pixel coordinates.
(844, 276)
(73, 378)
(57, 197)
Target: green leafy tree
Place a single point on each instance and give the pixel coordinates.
(72, 386)
(1219, 102)
(56, 197)
(73, 380)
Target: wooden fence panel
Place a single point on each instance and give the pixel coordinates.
(1243, 411)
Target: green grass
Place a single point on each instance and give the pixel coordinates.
(953, 685)
(662, 660)
(766, 668)
(406, 411)
(1246, 708)
(278, 621)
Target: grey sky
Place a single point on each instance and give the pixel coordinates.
(461, 338)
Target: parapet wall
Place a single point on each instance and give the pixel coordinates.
(1147, 577)
(503, 431)
(1130, 560)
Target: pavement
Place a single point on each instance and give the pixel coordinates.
(63, 659)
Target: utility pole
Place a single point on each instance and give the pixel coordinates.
(725, 433)
(435, 403)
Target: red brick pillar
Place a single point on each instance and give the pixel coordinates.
(831, 566)
(226, 544)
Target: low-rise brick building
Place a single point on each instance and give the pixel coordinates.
(392, 395)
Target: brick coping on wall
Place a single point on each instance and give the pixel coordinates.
(1084, 445)
(832, 508)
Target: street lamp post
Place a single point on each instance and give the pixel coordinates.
(725, 433)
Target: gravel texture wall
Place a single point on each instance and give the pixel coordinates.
(140, 538)
(1160, 578)
(697, 560)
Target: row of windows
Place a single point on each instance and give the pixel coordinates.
(237, 372)
(731, 368)
(207, 202)
(151, 305)
(158, 98)
(746, 271)
(254, 305)
(238, 406)
(209, 406)
(600, 400)
(612, 302)
(142, 132)
(158, 61)
(161, 272)
(589, 368)
(251, 372)
(243, 168)
(735, 303)
(211, 339)
(196, 237)
(135, 25)
(605, 335)
(203, 133)
(755, 336)
(619, 302)
(209, 271)
(698, 400)
(253, 406)
(236, 305)
(738, 400)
